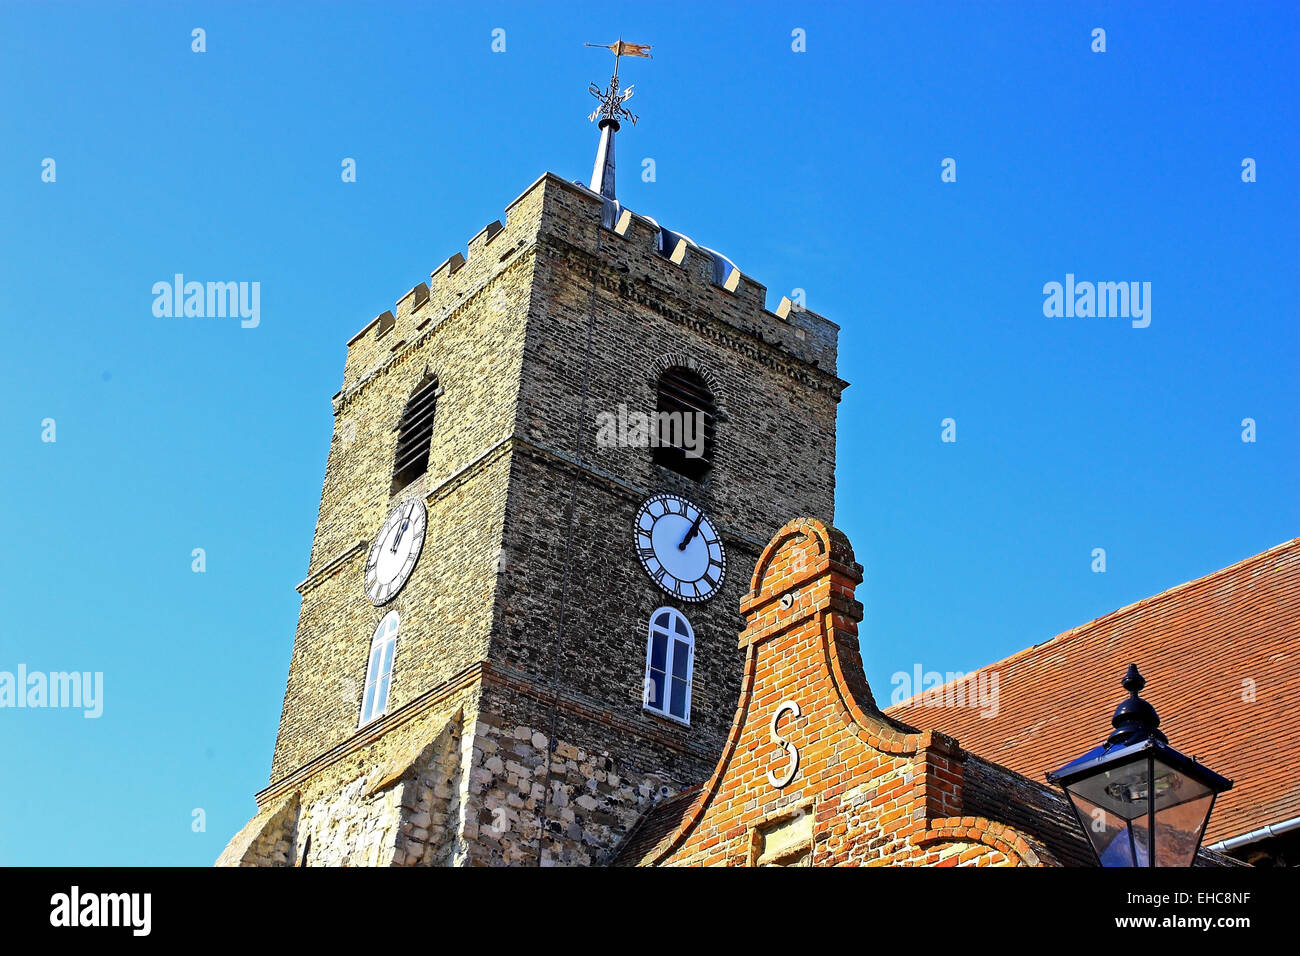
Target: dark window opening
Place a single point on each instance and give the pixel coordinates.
(415, 435)
(685, 423)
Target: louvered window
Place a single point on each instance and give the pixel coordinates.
(414, 435)
(685, 423)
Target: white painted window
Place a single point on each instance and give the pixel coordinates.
(669, 660)
(379, 673)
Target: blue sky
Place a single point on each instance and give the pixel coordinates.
(817, 170)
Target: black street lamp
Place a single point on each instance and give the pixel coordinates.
(1139, 800)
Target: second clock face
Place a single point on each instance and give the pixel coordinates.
(680, 548)
(395, 551)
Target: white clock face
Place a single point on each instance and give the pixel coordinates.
(680, 548)
(395, 551)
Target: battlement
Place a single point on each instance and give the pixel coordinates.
(663, 259)
(672, 260)
(452, 283)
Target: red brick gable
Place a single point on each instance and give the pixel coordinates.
(1197, 645)
(812, 771)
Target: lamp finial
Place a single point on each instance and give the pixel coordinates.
(1134, 719)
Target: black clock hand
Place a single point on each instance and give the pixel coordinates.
(406, 522)
(690, 535)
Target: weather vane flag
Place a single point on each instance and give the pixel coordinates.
(611, 101)
(610, 111)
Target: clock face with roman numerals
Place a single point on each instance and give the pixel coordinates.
(395, 551)
(680, 548)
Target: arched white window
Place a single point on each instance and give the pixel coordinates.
(669, 659)
(379, 673)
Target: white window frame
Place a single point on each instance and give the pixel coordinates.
(383, 635)
(673, 638)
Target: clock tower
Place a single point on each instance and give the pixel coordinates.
(552, 471)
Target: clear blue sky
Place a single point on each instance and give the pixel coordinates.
(818, 170)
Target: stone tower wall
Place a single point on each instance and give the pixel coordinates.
(467, 329)
(463, 768)
(777, 397)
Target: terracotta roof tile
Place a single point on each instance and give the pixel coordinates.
(655, 825)
(1200, 646)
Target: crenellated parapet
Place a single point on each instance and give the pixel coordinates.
(708, 282)
(641, 256)
(452, 286)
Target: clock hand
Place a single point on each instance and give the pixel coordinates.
(406, 523)
(690, 535)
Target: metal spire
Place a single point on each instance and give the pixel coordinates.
(610, 111)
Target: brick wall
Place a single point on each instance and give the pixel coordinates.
(862, 791)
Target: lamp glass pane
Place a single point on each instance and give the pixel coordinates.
(1174, 787)
(1139, 832)
(1178, 830)
(1120, 790)
(1109, 833)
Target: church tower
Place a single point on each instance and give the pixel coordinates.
(552, 471)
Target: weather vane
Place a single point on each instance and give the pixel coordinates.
(611, 107)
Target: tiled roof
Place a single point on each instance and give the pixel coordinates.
(656, 824)
(1202, 646)
(995, 792)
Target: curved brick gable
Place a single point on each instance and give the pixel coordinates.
(867, 790)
